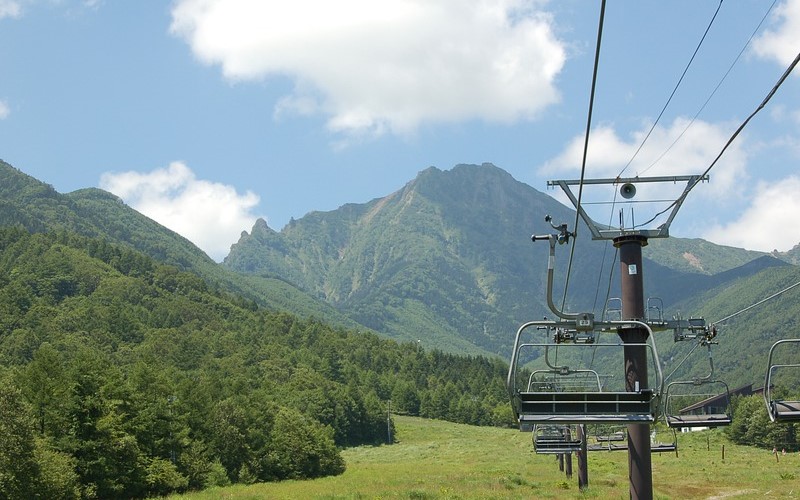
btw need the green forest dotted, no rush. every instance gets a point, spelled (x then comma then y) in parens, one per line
(133, 366)
(123, 377)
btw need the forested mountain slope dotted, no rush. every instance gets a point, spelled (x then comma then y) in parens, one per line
(132, 364)
(740, 357)
(448, 260)
(124, 377)
(37, 207)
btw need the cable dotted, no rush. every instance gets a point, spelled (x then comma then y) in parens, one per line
(585, 148)
(726, 318)
(600, 277)
(685, 70)
(761, 106)
(713, 92)
(602, 267)
(682, 361)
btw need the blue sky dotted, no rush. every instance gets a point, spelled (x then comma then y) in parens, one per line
(206, 114)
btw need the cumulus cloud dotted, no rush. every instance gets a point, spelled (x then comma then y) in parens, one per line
(209, 214)
(764, 214)
(14, 8)
(782, 42)
(678, 149)
(389, 66)
(10, 8)
(4, 110)
(769, 223)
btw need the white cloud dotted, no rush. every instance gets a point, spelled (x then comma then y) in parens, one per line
(10, 8)
(14, 8)
(209, 214)
(4, 110)
(769, 223)
(676, 150)
(730, 210)
(384, 66)
(781, 44)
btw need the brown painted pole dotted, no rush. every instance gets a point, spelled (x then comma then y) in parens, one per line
(568, 465)
(632, 285)
(568, 456)
(583, 466)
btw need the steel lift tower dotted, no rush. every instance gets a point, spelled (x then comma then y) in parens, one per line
(630, 241)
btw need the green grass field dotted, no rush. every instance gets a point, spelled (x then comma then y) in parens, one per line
(442, 460)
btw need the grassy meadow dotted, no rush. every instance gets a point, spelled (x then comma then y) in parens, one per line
(441, 460)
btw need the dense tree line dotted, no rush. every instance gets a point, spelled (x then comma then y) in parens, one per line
(124, 377)
(751, 425)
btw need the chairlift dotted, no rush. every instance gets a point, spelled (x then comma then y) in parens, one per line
(662, 447)
(780, 410)
(554, 405)
(700, 402)
(564, 380)
(613, 308)
(618, 441)
(556, 439)
(615, 436)
(606, 439)
(655, 310)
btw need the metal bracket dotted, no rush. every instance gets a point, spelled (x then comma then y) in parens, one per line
(606, 233)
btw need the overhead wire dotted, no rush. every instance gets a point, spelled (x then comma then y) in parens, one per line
(726, 318)
(663, 109)
(608, 287)
(585, 148)
(730, 316)
(733, 137)
(674, 90)
(583, 165)
(682, 361)
(713, 92)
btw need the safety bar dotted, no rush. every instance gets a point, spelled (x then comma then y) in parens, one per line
(780, 410)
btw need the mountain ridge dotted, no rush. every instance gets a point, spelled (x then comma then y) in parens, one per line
(463, 232)
(444, 262)
(92, 212)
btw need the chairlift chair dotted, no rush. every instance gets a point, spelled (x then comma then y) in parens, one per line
(555, 406)
(780, 410)
(606, 440)
(700, 397)
(556, 439)
(657, 305)
(613, 437)
(661, 447)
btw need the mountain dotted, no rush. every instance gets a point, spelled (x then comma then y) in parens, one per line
(122, 377)
(132, 365)
(448, 261)
(792, 256)
(35, 206)
(445, 262)
(762, 308)
(131, 368)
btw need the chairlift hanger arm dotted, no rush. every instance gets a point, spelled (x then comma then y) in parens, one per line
(585, 320)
